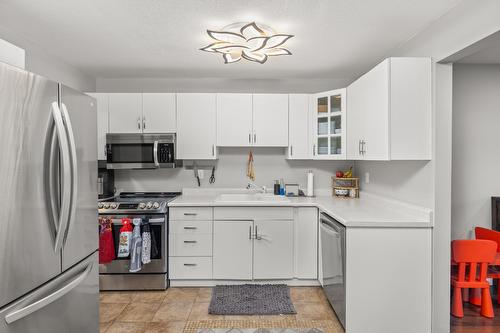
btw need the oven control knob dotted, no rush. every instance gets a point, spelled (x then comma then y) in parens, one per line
(106, 205)
(142, 205)
(114, 205)
(156, 205)
(100, 205)
(149, 205)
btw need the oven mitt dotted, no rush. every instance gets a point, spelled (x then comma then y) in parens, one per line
(146, 244)
(125, 236)
(136, 248)
(106, 242)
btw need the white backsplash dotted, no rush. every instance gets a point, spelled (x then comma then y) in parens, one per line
(269, 163)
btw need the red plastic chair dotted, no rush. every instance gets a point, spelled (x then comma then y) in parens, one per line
(469, 254)
(492, 235)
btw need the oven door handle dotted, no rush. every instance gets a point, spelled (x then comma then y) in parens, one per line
(118, 221)
(155, 154)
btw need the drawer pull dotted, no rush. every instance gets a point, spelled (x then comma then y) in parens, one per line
(190, 265)
(190, 214)
(190, 228)
(190, 241)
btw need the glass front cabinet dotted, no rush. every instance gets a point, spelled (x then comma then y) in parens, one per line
(329, 124)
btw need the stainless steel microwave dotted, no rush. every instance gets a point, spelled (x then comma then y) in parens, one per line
(140, 151)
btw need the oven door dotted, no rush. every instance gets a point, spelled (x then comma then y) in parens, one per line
(158, 262)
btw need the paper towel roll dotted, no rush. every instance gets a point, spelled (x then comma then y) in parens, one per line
(310, 184)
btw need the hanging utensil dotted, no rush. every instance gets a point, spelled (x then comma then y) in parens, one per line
(212, 177)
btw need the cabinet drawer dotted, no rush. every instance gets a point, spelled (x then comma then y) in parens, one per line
(190, 213)
(253, 213)
(190, 227)
(190, 268)
(183, 245)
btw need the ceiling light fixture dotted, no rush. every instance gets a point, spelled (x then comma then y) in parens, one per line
(250, 41)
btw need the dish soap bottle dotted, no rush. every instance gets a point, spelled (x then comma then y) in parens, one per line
(282, 187)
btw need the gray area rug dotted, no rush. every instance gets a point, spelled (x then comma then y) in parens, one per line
(260, 330)
(251, 299)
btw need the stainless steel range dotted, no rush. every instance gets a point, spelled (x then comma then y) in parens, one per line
(152, 208)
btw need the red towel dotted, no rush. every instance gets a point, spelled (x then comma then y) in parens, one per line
(106, 242)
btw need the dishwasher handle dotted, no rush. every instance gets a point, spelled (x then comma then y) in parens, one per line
(331, 224)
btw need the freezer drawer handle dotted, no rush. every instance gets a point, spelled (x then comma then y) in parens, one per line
(190, 241)
(27, 310)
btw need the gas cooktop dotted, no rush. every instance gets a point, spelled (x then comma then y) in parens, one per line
(137, 203)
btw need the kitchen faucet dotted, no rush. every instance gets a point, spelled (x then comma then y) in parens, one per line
(262, 189)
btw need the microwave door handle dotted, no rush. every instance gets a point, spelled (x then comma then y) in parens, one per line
(74, 165)
(65, 177)
(155, 154)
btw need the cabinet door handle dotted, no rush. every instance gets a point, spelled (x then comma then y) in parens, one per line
(250, 232)
(144, 123)
(256, 235)
(190, 214)
(254, 138)
(291, 150)
(138, 123)
(190, 241)
(213, 150)
(359, 147)
(363, 150)
(190, 228)
(249, 137)
(314, 150)
(105, 150)
(190, 265)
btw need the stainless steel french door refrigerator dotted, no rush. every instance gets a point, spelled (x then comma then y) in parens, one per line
(48, 195)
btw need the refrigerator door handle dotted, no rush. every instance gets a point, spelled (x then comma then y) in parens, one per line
(66, 177)
(35, 306)
(74, 163)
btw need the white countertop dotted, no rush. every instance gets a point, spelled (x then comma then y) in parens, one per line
(367, 211)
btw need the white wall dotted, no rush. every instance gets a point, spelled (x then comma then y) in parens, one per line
(269, 163)
(189, 85)
(476, 153)
(409, 181)
(40, 61)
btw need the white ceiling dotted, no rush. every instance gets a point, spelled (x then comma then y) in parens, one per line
(488, 55)
(161, 38)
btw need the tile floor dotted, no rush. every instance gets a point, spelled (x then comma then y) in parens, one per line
(169, 311)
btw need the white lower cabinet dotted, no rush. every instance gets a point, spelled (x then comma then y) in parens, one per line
(190, 243)
(190, 268)
(232, 250)
(306, 243)
(273, 250)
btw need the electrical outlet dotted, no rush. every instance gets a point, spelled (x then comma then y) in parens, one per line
(201, 174)
(367, 178)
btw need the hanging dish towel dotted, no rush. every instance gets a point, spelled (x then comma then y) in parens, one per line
(146, 244)
(106, 242)
(250, 169)
(125, 235)
(136, 248)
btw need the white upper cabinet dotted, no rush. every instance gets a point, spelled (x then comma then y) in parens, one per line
(196, 126)
(125, 113)
(102, 122)
(329, 124)
(270, 120)
(389, 115)
(299, 134)
(158, 113)
(245, 120)
(234, 120)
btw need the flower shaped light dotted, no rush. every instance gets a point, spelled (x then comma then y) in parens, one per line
(248, 41)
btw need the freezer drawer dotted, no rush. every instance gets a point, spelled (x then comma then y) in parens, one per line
(69, 303)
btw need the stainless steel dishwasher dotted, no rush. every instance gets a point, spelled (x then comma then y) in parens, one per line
(333, 263)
